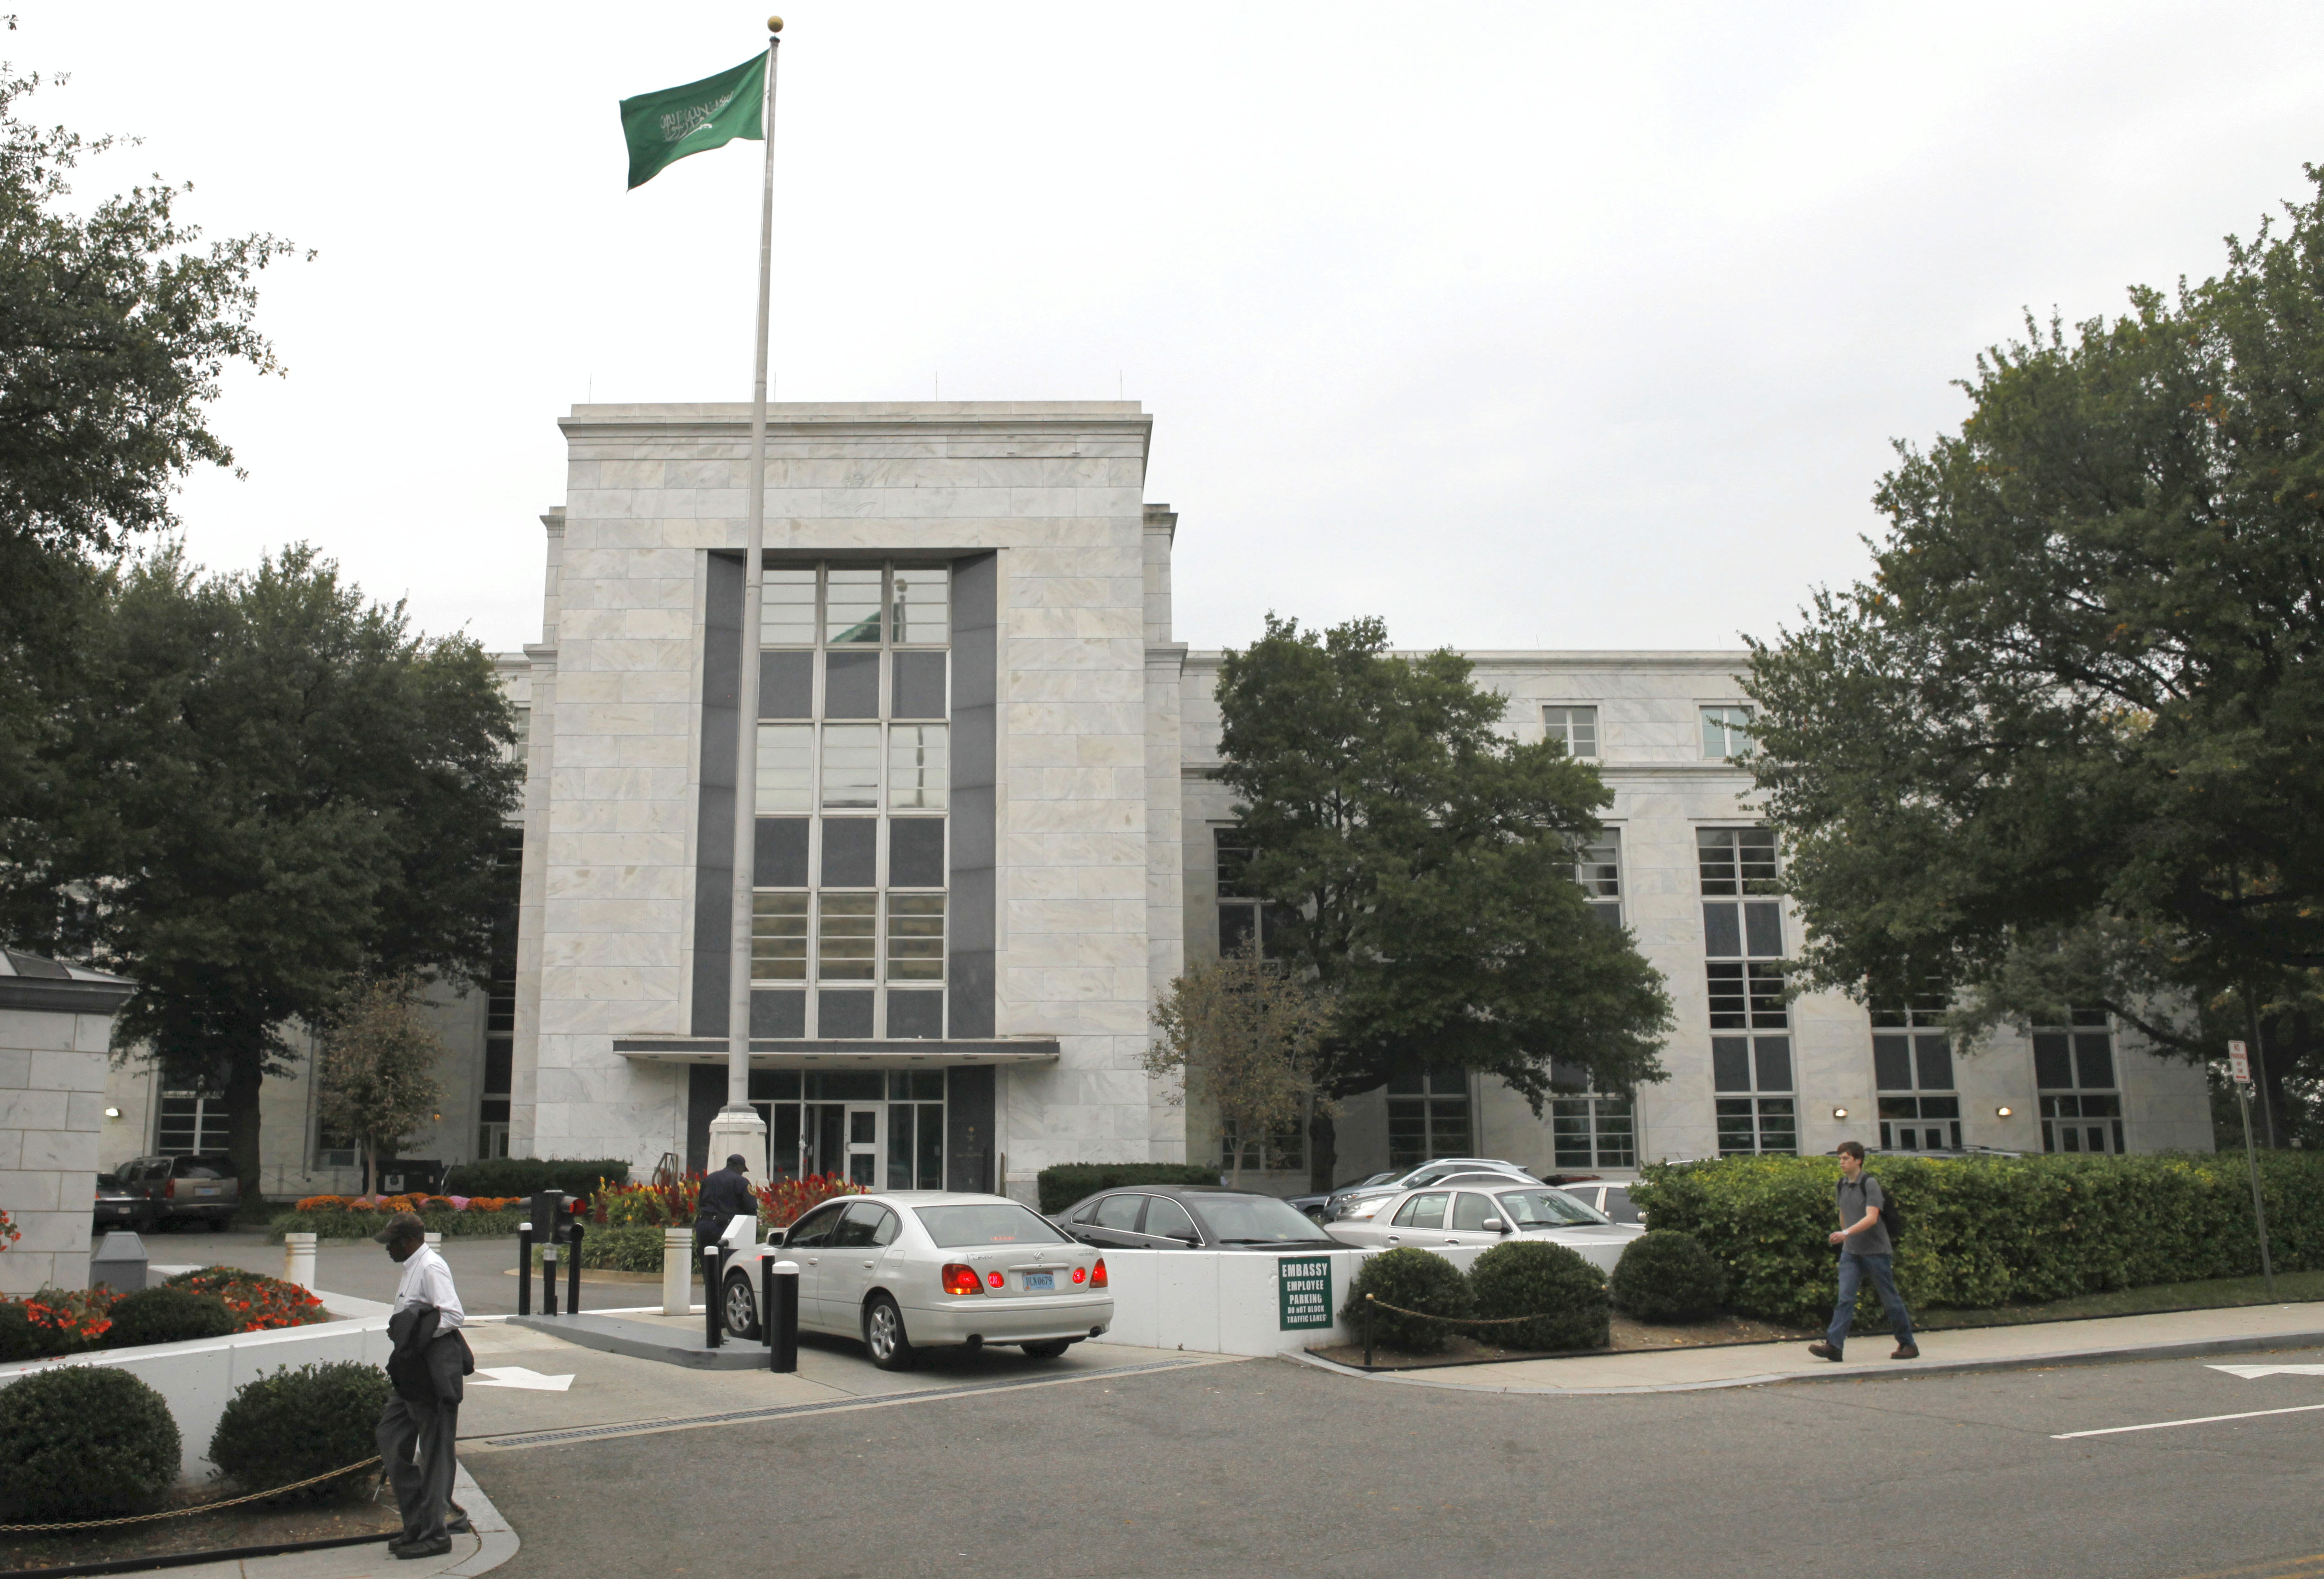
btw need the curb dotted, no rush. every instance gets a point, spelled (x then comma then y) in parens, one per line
(496, 1542)
(2178, 1349)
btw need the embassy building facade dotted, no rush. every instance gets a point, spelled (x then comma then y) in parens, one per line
(988, 834)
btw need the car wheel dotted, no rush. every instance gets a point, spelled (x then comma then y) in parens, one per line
(883, 1335)
(739, 1311)
(1049, 1350)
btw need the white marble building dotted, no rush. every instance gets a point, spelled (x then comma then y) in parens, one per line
(987, 838)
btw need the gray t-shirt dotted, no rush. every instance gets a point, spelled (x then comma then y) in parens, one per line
(1855, 1198)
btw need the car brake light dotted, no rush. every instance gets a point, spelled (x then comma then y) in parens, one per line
(960, 1279)
(995, 1278)
(1097, 1274)
(169, 1190)
(1079, 1275)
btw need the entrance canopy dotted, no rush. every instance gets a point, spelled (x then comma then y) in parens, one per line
(795, 1054)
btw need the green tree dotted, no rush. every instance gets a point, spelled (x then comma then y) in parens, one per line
(115, 329)
(377, 1080)
(1242, 1032)
(1425, 862)
(266, 788)
(2061, 747)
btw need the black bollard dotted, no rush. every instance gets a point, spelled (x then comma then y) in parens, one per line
(572, 1273)
(1368, 1332)
(767, 1305)
(548, 1279)
(714, 1267)
(524, 1269)
(781, 1307)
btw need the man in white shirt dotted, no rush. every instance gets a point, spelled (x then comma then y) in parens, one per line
(418, 1428)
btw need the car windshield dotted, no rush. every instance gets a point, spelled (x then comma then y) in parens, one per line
(1256, 1220)
(1547, 1209)
(999, 1223)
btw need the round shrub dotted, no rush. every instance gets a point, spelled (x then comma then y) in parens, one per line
(284, 1427)
(1563, 1293)
(1414, 1280)
(83, 1441)
(168, 1316)
(1668, 1276)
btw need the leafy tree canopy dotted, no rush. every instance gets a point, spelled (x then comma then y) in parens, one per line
(377, 1081)
(265, 788)
(1425, 862)
(2063, 746)
(1244, 1032)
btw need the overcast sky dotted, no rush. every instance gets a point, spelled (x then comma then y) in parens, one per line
(1534, 325)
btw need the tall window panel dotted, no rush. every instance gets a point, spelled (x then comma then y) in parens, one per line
(2082, 1102)
(191, 1123)
(1913, 1069)
(1600, 874)
(1575, 728)
(1245, 921)
(1726, 733)
(855, 776)
(1592, 1129)
(1754, 1097)
(1428, 1116)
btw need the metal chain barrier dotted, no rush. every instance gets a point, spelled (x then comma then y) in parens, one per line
(1458, 1320)
(187, 1512)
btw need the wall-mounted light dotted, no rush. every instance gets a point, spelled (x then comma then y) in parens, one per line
(113, 1112)
(2001, 1112)
(1839, 1112)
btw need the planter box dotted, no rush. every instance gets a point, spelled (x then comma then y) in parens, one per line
(1230, 1302)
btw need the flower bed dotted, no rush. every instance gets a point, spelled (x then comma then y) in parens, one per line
(360, 1216)
(677, 1202)
(257, 1302)
(59, 1321)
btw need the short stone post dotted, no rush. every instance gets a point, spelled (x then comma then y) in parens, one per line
(299, 1260)
(677, 1270)
(435, 1240)
(119, 1263)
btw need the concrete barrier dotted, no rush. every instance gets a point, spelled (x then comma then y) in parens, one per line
(199, 1379)
(1230, 1302)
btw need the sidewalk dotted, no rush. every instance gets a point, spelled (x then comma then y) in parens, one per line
(493, 1544)
(2063, 1343)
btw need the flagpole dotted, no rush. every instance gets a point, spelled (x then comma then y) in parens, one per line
(738, 1126)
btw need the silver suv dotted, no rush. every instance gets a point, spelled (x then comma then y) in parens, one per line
(1360, 1201)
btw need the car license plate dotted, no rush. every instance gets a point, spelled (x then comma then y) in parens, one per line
(1045, 1282)
(210, 1192)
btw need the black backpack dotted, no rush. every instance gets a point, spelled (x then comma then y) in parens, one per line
(1891, 1212)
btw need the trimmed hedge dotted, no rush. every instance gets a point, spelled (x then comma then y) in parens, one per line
(168, 1316)
(528, 1176)
(1668, 1276)
(1553, 1284)
(621, 1247)
(1067, 1182)
(83, 1441)
(282, 1428)
(329, 1223)
(1988, 1232)
(1416, 1279)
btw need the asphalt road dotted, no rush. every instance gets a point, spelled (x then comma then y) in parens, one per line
(1268, 1467)
(480, 1269)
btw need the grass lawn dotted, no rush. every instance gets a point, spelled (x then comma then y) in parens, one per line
(2211, 1294)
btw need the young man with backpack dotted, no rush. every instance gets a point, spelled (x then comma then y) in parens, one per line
(1866, 1249)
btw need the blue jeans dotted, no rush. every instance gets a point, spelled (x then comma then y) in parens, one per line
(1853, 1269)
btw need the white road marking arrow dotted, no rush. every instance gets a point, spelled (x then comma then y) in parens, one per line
(2253, 1373)
(517, 1376)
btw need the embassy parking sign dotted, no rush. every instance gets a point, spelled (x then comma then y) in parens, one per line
(1303, 1291)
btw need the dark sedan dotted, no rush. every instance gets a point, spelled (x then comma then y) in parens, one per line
(1190, 1217)
(115, 1206)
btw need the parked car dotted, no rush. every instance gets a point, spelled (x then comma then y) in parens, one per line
(1435, 1216)
(1314, 1206)
(115, 1206)
(1608, 1197)
(1190, 1217)
(169, 1192)
(911, 1269)
(1362, 1201)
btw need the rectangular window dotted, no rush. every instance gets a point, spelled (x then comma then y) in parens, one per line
(1575, 728)
(851, 767)
(1919, 1111)
(847, 929)
(787, 615)
(1593, 1132)
(190, 1124)
(1736, 861)
(1726, 733)
(786, 768)
(2073, 1065)
(1600, 874)
(1244, 920)
(1755, 1111)
(852, 606)
(922, 605)
(779, 936)
(1428, 1116)
(919, 769)
(916, 937)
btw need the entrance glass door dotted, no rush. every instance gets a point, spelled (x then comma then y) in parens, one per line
(863, 1149)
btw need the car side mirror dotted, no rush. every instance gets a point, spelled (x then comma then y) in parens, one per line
(1495, 1225)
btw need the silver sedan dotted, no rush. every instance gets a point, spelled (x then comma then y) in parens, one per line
(910, 1270)
(1435, 1216)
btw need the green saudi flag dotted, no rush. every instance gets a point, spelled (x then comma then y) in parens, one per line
(664, 127)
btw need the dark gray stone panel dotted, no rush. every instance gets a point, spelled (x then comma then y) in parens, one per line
(916, 852)
(918, 691)
(849, 851)
(714, 814)
(785, 685)
(850, 685)
(706, 1094)
(915, 1014)
(968, 1127)
(975, 722)
(778, 1013)
(844, 1012)
(782, 852)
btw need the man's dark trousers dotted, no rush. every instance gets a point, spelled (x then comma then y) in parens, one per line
(1853, 1269)
(425, 1430)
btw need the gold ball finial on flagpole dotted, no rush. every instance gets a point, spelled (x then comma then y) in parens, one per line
(774, 24)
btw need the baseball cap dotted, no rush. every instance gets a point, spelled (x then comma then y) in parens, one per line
(402, 1225)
